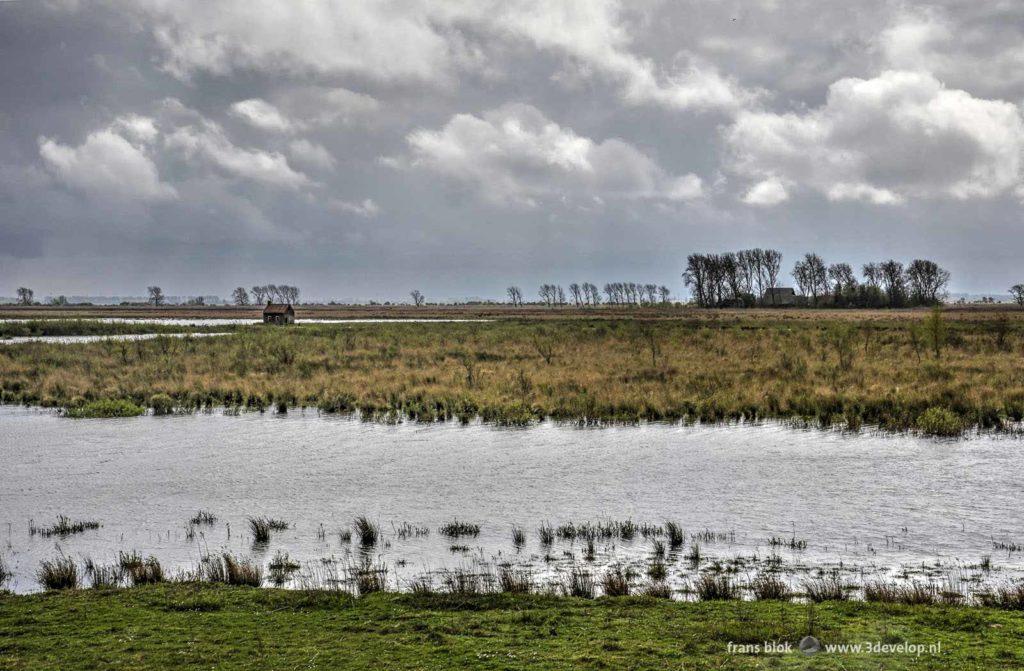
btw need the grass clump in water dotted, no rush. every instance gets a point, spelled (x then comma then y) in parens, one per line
(203, 517)
(59, 573)
(64, 526)
(455, 529)
(367, 532)
(105, 408)
(615, 581)
(716, 588)
(262, 526)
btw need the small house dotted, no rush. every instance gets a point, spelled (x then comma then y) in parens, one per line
(779, 296)
(279, 313)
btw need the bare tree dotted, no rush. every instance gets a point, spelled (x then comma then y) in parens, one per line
(1017, 291)
(664, 293)
(593, 296)
(577, 294)
(417, 297)
(560, 294)
(25, 295)
(548, 294)
(771, 266)
(156, 295)
(651, 291)
(927, 282)
(240, 296)
(515, 295)
(259, 294)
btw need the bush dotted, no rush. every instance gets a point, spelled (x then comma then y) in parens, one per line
(162, 404)
(104, 409)
(940, 422)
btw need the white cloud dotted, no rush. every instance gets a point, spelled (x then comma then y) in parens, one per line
(207, 142)
(311, 154)
(107, 165)
(767, 192)
(514, 154)
(896, 137)
(261, 114)
(422, 40)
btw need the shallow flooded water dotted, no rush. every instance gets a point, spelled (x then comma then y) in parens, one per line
(74, 339)
(865, 504)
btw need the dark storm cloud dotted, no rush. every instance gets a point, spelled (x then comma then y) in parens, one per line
(361, 149)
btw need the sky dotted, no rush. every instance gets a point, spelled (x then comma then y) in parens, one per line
(361, 149)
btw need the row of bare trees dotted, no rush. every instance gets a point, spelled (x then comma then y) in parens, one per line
(732, 278)
(586, 294)
(742, 278)
(264, 293)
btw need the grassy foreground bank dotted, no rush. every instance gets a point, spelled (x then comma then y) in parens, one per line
(847, 371)
(196, 626)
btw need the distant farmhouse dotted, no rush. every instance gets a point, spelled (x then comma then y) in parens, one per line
(279, 313)
(779, 296)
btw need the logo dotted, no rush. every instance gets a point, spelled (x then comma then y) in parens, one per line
(810, 645)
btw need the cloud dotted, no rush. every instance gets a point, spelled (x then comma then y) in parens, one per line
(311, 154)
(767, 192)
(107, 165)
(207, 142)
(261, 114)
(515, 155)
(889, 139)
(366, 208)
(425, 41)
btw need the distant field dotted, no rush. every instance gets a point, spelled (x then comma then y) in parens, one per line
(830, 369)
(501, 311)
(193, 626)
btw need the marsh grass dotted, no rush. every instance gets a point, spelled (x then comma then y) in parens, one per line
(616, 581)
(366, 531)
(676, 536)
(657, 590)
(58, 573)
(105, 408)
(721, 587)
(657, 570)
(280, 568)
(105, 576)
(145, 572)
(203, 517)
(260, 527)
(370, 577)
(464, 581)
(229, 570)
(457, 529)
(914, 593)
(825, 588)
(728, 367)
(518, 536)
(546, 534)
(64, 526)
(515, 580)
(1005, 597)
(769, 587)
(5, 573)
(578, 582)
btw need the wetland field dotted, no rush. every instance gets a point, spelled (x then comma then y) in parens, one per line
(566, 491)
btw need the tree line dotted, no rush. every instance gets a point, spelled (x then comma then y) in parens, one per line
(743, 279)
(265, 293)
(587, 294)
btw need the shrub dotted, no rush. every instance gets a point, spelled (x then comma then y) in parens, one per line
(940, 422)
(162, 404)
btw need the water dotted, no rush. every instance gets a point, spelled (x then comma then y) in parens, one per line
(227, 321)
(871, 503)
(73, 339)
